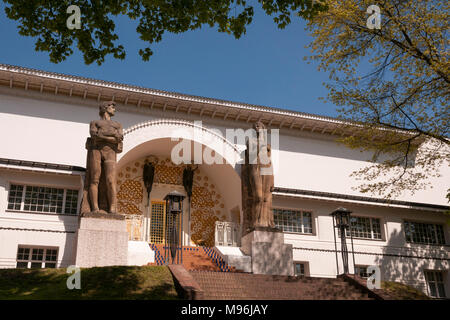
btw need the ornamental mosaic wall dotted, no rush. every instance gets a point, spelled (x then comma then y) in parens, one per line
(207, 205)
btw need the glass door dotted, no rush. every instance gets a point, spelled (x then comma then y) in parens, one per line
(157, 225)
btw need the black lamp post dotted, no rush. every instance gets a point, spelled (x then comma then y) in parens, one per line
(341, 221)
(174, 211)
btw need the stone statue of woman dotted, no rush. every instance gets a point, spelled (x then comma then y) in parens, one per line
(257, 182)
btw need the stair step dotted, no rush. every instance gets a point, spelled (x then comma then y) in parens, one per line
(195, 258)
(244, 286)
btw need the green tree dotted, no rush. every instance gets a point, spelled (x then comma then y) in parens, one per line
(393, 82)
(46, 20)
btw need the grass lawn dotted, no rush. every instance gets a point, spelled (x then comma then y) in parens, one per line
(402, 291)
(121, 282)
(148, 282)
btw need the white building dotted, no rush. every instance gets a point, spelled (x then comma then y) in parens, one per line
(44, 123)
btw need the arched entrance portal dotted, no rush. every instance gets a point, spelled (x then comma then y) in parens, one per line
(216, 192)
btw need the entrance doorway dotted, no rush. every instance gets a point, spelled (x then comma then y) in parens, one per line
(157, 223)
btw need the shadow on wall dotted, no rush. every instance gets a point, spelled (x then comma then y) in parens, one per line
(406, 263)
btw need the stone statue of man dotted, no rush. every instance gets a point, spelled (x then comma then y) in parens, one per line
(103, 145)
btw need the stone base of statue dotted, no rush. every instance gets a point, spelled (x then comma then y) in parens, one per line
(269, 253)
(102, 240)
(139, 253)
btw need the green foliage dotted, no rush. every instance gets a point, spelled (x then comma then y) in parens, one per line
(393, 83)
(46, 20)
(151, 283)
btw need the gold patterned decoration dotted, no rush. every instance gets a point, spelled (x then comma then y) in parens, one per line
(130, 196)
(202, 198)
(166, 172)
(207, 208)
(207, 203)
(131, 191)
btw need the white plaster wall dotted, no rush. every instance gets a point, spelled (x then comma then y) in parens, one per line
(50, 129)
(320, 164)
(404, 269)
(46, 128)
(45, 131)
(64, 226)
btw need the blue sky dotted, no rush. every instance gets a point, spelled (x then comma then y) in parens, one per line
(264, 67)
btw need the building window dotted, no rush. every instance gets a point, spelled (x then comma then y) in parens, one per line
(43, 199)
(300, 269)
(71, 204)
(23, 255)
(365, 228)
(293, 220)
(15, 197)
(361, 271)
(28, 257)
(424, 233)
(435, 282)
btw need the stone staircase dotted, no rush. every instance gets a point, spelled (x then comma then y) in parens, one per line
(218, 281)
(244, 286)
(195, 258)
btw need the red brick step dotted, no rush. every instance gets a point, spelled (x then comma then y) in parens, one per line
(244, 286)
(195, 258)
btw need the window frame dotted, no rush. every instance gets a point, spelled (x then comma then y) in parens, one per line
(435, 233)
(435, 282)
(311, 212)
(30, 261)
(305, 268)
(358, 267)
(381, 223)
(22, 202)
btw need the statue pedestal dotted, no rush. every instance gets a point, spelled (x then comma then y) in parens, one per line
(269, 253)
(102, 240)
(139, 253)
